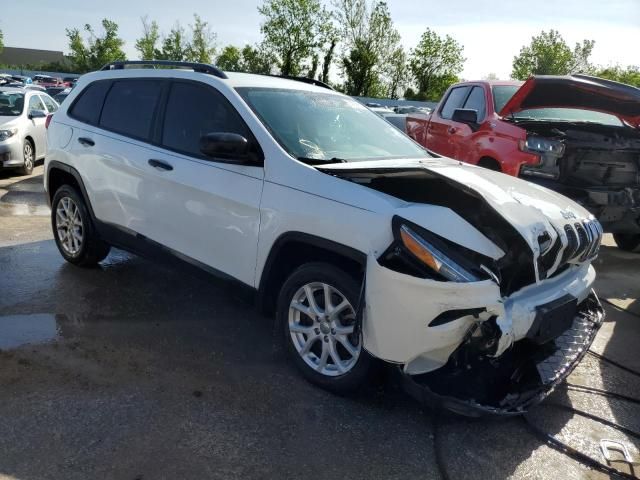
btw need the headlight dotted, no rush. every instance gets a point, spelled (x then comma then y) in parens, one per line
(541, 145)
(433, 257)
(5, 134)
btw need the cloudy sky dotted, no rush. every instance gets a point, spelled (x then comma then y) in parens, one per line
(491, 31)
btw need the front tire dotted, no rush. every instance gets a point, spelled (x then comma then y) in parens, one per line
(628, 241)
(73, 230)
(317, 313)
(28, 157)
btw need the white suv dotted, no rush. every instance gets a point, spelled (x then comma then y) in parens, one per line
(474, 284)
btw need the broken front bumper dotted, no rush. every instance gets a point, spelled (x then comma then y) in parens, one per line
(528, 375)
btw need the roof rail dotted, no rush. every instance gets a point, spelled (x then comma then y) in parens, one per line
(197, 67)
(311, 81)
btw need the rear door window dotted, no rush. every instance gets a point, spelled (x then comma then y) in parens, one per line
(455, 100)
(194, 110)
(130, 107)
(88, 105)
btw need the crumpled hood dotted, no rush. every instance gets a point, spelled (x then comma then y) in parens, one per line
(577, 91)
(531, 209)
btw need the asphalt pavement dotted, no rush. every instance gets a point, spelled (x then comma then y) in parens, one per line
(140, 371)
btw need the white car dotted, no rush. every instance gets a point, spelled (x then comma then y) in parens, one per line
(23, 135)
(475, 285)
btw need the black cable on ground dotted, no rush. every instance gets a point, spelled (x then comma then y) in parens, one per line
(573, 453)
(614, 363)
(598, 391)
(437, 447)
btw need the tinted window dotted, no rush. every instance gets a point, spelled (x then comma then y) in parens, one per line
(477, 102)
(35, 103)
(130, 106)
(87, 107)
(51, 105)
(454, 100)
(501, 94)
(194, 110)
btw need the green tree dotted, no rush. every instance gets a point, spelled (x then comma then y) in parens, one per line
(98, 49)
(258, 60)
(202, 47)
(396, 73)
(249, 59)
(435, 63)
(1, 41)
(292, 30)
(629, 75)
(175, 45)
(549, 54)
(147, 44)
(230, 59)
(327, 59)
(370, 39)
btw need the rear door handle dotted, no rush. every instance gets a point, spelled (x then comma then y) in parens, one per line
(159, 164)
(452, 129)
(87, 142)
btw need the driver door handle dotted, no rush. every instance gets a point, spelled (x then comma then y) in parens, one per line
(452, 130)
(159, 164)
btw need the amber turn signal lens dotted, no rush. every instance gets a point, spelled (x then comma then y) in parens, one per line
(414, 246)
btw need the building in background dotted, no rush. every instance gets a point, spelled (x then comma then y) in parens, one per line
(29, 56)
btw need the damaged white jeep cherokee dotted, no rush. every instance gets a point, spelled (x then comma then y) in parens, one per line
(476, 285)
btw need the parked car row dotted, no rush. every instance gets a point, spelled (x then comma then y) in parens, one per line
(577, 135)
(475, 286)
(24, 114)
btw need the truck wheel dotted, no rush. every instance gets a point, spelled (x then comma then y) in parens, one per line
(317, 312)
(73, 230)
(628, 241)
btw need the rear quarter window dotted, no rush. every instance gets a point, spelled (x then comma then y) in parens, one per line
(88, 105)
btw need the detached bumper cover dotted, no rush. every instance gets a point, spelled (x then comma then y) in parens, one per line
(539, 371)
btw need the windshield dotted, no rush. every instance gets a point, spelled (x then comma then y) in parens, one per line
(502, 94)
(328, 127)
(573, 115)
(11, 104)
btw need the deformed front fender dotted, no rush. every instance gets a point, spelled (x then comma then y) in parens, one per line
(399, 308)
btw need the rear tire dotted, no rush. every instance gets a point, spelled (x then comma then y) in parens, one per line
(324, 342)
(73, 230)
(629, 242)
(29, 157)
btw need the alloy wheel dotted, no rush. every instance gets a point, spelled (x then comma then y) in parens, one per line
(28, 156)
(69, 226)
(322, 325)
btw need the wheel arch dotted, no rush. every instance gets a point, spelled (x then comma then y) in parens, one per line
(489, 162)
(59, 174)
(293, 249)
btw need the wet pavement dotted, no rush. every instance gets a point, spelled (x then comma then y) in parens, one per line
(136, 370)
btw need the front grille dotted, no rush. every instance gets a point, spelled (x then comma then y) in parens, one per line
(572, 244)
(583, 243)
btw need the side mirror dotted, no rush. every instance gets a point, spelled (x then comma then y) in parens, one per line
(465, 115)
(225, 145)
(37, 114)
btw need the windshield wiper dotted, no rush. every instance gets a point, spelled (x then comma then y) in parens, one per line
(321, 161)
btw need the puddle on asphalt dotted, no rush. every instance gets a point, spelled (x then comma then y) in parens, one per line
(21, 209)
(18, 330)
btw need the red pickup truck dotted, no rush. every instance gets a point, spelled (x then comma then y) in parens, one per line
(577, 135)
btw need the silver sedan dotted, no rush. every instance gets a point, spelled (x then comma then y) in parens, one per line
(23, 138)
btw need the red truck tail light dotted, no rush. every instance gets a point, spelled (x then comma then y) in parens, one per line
(48, 120)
